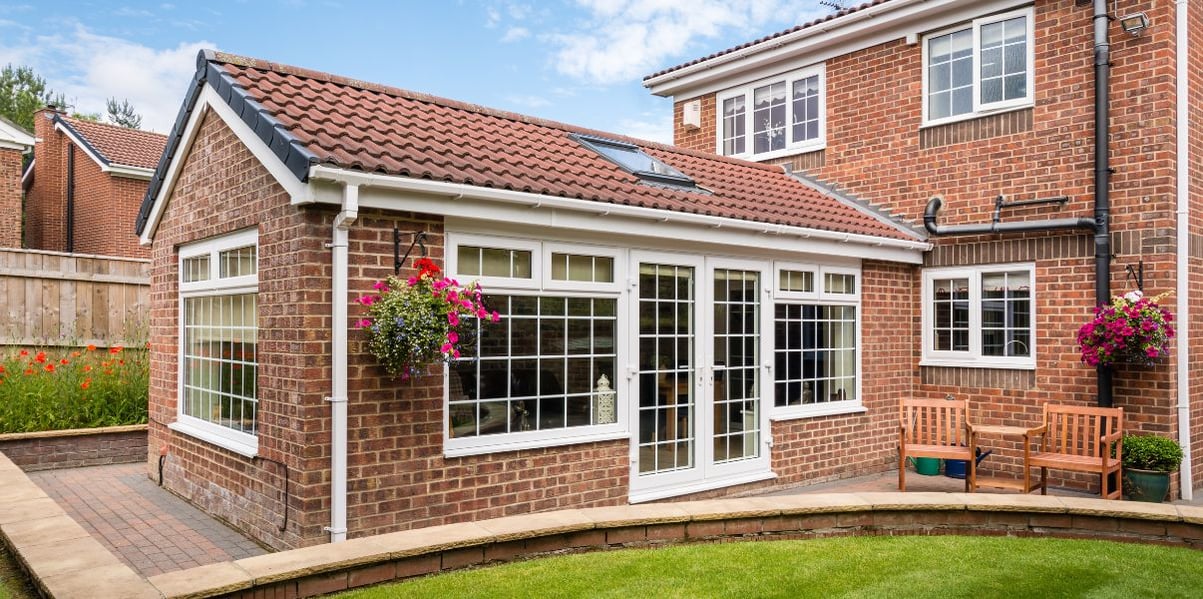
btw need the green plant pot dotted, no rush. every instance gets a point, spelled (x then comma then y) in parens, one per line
(1146, 485)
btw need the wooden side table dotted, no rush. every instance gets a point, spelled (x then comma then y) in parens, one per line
(994, 482)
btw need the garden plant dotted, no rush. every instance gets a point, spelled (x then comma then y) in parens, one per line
(87, 387)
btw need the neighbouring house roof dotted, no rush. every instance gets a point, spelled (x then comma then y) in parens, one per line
(808, 25)
(309, 118)
(12, 136)
(113, 145)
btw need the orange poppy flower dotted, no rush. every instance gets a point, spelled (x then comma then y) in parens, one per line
(24, 353)
(87, 369)
(84, 385)
(41, 357)
(50, 368)
(116, 349)
(75, 354)
(91, 347)
(64, 362)
(28, 371)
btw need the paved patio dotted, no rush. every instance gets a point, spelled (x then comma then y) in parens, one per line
(148, 528)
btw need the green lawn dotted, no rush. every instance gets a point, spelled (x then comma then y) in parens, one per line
(893, 567)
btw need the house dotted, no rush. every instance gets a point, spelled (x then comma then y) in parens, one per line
(980, 119)
(15, 143)
(756, 323)
(86, 184)
(680, 277)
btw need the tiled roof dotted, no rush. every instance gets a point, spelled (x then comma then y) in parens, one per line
(120, 145)
(308, 118)
(819, 21)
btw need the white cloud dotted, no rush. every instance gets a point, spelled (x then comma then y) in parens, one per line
(89, 68)
(626, 39)
(528, 101)
(655, 129)
(514, 34)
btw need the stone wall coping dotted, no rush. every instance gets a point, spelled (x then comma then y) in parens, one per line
(328, 559)
(66, 562)
(73, 432)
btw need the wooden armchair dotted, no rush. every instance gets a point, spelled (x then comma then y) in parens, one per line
(936, 428)
(1080, 439)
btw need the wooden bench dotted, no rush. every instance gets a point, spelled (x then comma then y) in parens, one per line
(936, 428)
(1080, 439)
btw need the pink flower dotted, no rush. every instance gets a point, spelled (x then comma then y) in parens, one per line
(1152, 352)
(363, 323)
(367, 300)
(446, 348)
(455, 352)
(452, 337)
(380, 286)
(453, 318)
(496, 316)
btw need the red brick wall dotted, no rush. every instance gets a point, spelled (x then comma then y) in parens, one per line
(877, 151)
(46, 200)
(10, 198)
(398, 477)
(51, 450)
(106, 207)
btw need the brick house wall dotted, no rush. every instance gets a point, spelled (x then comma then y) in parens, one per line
(105, 206)
(397, 477)
(10, 198)
(876, 150)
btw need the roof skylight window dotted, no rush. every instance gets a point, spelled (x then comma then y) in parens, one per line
(633, 159)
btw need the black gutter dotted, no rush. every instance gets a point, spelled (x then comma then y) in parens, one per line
(1101, 223)
(70, 198)
(1102, 179)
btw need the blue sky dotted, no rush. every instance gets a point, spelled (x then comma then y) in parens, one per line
(576, 61)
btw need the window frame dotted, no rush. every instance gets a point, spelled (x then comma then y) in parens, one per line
(748, 93)
(541, 285)
(244, 444)
(973, 358)
(980, 109)
(820, 297)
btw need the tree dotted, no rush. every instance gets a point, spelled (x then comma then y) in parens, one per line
(123, 114)
(23, 92)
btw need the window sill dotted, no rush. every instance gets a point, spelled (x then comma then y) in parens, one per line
(457, 449)
(975, 115)
(797, 413)
(779, 153)
(977, 364)
(205, 433)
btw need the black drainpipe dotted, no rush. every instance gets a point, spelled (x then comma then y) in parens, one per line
(70, 198)
(1102, 178)
(1101, 223)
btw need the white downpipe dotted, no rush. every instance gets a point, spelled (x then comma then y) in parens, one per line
(338, 374)
(1181, 73)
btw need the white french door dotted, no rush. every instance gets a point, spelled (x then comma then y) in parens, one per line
(700, 340)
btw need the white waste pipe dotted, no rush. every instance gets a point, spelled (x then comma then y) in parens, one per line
(1182, 74)
(338, 358)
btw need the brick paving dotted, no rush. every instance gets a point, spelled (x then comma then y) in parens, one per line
(150, 529)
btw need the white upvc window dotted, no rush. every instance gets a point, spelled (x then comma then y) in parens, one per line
(980, 316)
(218, 369)
(978, 68)
(547, 373)
(816, 348)
(774, 117)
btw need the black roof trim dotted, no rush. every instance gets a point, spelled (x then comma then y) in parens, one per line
(287, 148)
(59, 120)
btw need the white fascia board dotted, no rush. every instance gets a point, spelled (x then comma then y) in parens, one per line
(387, 192)
(859, 30)
(13, 138)
(298, 192)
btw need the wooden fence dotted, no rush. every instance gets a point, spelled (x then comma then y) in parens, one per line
(56, 299)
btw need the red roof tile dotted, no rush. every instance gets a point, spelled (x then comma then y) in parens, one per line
(832, 16)
(121, 145)
(374, 128)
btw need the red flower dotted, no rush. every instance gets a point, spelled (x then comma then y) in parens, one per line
(50, 368)
(64, 362)
(427, 267)
(84, 385)
(91, 347)
(41, 357)
(28, 371)
(24, 353)
(115, 349)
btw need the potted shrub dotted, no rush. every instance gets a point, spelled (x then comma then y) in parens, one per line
(1148, 461)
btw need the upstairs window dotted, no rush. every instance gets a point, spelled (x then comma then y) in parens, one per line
(979, 67)
(773, 117)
